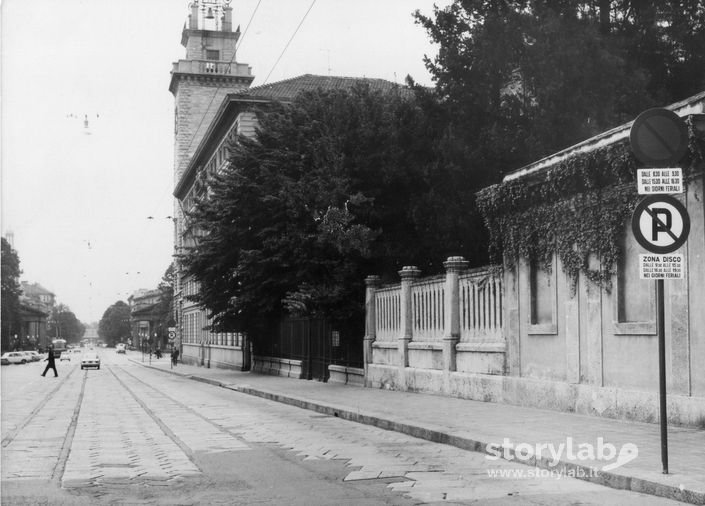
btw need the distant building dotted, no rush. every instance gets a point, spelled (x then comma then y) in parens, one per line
(90, 337)
(146, 319)
(36, 294)
(36, 303)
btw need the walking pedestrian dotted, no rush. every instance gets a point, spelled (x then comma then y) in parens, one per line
(51, 360)
(175, 356)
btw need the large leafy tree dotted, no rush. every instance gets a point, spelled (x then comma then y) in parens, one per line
(11, 291)
(114, 326)
(526, 78)
(334, 186)
(64, 324)
(166, 299)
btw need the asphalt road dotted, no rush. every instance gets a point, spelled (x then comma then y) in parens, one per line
(125, 434)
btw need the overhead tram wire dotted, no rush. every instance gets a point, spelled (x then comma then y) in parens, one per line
(287, 44)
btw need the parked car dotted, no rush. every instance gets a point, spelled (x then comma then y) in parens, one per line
(14, 357)
(120, 348)
(36, 357)
(90, 359)
(28, 355)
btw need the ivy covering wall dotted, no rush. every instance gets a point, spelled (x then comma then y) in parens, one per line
(574, 209)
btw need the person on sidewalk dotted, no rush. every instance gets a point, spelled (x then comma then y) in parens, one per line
(51, 360)
(174, 356)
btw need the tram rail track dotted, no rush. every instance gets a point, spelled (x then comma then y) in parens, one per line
(10, 437)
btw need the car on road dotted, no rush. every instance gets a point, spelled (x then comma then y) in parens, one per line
(120, 348)
(36, 357)
(90, 359)
(28, 355)
(65, 356)
(14, 357)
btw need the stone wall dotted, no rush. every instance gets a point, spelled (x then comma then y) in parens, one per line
(582, 358)
(213, 355)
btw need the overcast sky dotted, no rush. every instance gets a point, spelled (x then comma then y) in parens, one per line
(78, 199)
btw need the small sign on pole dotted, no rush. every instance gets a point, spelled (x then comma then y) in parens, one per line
(661, 266)
(659, 138)
(660, 224)
(660, 180)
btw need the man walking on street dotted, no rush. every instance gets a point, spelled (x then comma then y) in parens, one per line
(52, 363)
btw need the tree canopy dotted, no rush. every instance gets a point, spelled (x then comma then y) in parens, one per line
(114, 326)
(11, 291)
(334, 186)
(341, 184)
(529, 77)
(166, 298)
(64, 324)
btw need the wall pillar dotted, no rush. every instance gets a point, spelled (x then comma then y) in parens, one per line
(451, 319)
(372, 282)
(407, 274)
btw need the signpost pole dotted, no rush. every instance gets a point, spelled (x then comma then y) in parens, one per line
(662, 374)
(659, 140)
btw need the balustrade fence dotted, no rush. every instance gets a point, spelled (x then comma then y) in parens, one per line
(464, 306)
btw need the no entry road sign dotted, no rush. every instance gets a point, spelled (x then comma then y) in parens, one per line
(660, 224)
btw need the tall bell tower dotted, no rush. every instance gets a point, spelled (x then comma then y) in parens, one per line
(199, 84)
(209, 72)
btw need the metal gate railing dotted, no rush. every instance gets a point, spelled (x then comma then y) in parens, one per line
(316, 343)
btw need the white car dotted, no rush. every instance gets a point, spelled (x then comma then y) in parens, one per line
(90, 359)
(36, 357)
(28, 354)
(14, 357)
(66, 355)
(120, 348)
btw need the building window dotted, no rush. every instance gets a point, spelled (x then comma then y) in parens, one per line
(635, 298)
(542, 293)
(212, 54)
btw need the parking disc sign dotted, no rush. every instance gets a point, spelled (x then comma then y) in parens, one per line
(669, 266)
(660, 224)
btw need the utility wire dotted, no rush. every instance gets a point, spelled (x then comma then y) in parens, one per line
(287, 44)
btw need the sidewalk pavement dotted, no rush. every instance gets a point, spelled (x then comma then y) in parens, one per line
(472, 425)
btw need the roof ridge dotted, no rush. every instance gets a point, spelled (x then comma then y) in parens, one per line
(311, 77)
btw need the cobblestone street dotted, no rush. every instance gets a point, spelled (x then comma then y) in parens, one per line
(126, 434)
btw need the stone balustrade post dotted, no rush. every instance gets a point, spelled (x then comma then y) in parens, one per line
(408, 274)
(371, 282)
(454, 266)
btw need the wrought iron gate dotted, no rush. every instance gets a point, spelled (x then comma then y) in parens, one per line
(316, 343)
(308, 340)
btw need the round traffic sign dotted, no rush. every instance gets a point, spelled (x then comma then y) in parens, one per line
(659, 137)
(660, 224)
